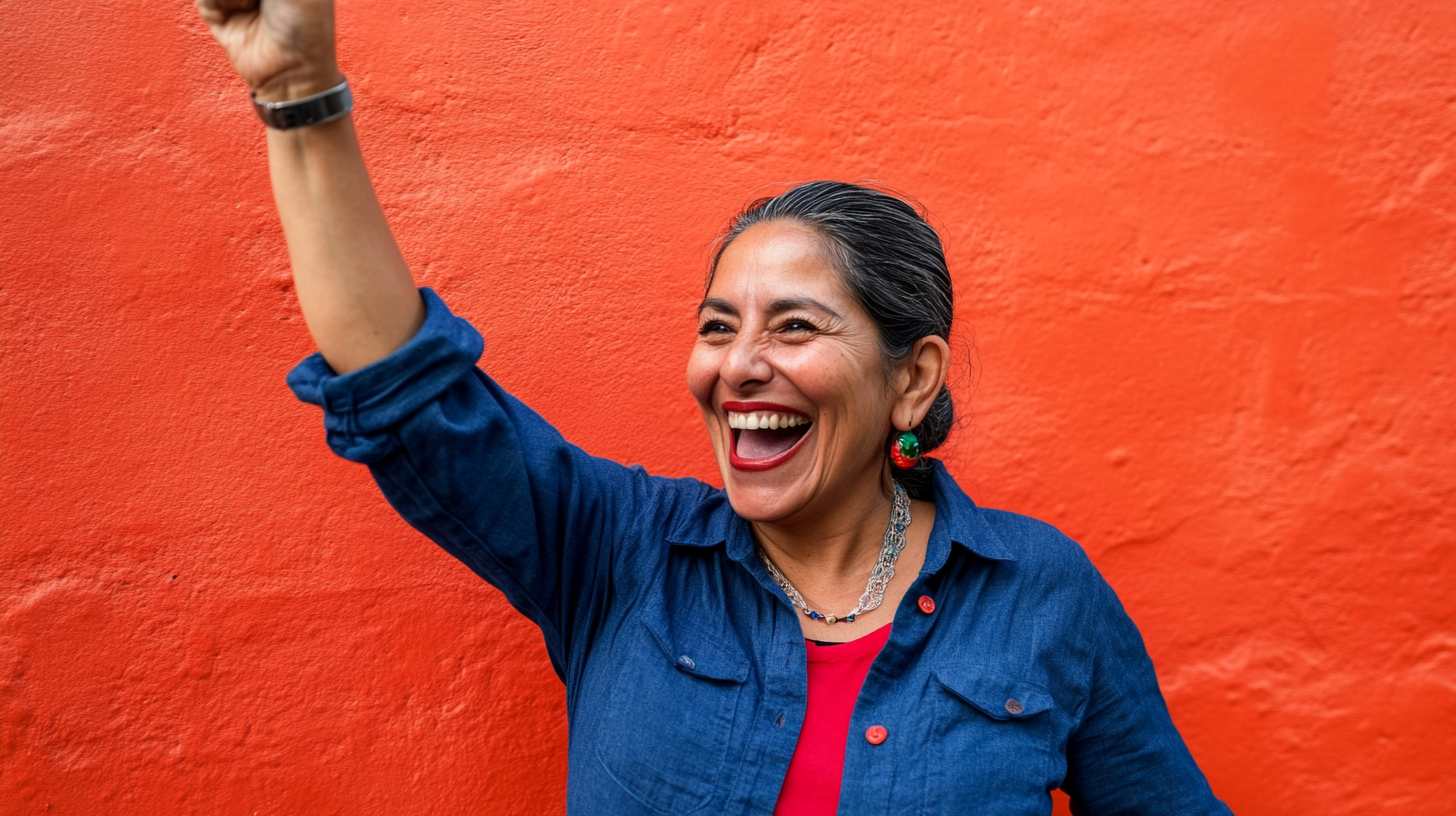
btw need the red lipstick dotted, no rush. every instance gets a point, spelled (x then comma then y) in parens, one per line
(750, 407)
(768, 462)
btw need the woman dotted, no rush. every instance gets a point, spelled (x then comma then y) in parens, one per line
(839, 629)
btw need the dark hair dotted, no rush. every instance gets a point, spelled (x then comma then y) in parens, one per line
(893, 264)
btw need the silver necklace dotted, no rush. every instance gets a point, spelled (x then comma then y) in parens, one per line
(880, 576)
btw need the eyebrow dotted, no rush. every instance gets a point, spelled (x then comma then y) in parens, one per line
(777, 307)
(719, 304)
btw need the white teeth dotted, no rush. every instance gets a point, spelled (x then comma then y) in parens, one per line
(765, 421)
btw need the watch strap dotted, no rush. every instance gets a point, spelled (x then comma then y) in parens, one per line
(310, 110)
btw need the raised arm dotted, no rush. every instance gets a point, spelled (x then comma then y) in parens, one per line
(563, 534)
(356, 292)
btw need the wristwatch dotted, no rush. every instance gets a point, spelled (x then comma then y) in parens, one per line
(310, 110)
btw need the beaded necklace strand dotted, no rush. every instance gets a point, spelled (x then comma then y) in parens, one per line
(880, 576)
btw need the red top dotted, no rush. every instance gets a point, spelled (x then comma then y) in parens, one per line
(836, 674)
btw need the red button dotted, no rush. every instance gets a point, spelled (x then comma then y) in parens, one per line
(927, 604)
(876, 734)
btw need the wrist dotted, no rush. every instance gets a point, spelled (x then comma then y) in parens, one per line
(315, 109)
(297, 84)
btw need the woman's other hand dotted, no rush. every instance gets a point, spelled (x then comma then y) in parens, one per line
(283, 49)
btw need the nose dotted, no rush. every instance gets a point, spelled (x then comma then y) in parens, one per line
(744, 365)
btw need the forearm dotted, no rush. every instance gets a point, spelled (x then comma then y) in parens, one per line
(353, 285)
(357, 295)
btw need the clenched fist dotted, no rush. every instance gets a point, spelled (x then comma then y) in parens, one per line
(283, 49)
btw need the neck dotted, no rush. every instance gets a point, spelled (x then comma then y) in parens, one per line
(822, 552)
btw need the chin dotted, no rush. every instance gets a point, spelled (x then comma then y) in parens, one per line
(761, 502)
(771, 495)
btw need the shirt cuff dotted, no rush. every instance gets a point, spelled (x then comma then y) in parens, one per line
(361, 407)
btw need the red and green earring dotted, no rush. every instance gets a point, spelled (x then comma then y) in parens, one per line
(905, 450)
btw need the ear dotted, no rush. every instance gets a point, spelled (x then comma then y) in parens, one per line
(921, 376)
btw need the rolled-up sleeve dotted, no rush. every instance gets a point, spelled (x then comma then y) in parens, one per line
(556, 530)
(362, 408)
(1126, 756)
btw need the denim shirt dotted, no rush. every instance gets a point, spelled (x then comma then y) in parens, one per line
(684, 664)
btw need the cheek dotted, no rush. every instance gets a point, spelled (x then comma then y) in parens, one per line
(853, 399)
(702, 374)
(837, 380)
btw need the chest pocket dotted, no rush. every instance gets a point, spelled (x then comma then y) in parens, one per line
(668, 723)
(991, 740)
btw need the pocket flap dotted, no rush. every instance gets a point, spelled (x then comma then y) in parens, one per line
(996, 695)
(715, 657)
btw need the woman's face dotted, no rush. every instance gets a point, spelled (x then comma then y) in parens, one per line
(788, 372)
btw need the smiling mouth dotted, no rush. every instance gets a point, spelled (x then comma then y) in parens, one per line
(764, 438)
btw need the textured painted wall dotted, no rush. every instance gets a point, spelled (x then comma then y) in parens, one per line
(1204, 254)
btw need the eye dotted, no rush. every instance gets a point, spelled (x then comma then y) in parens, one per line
(796, 326)
(711, 327)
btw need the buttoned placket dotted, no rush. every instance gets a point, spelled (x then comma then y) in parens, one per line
(872, 767)
(871, 773)
(869, 768)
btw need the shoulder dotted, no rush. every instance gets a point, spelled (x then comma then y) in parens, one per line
(1020, 547)
(1037, 545)
(685, 496)
(1031, 560)
(1053, 574)
(681, 510)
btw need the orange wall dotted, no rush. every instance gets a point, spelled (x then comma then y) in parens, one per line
(1204, 252)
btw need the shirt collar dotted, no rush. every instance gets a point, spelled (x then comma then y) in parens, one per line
(957, 521)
